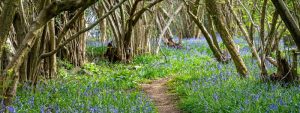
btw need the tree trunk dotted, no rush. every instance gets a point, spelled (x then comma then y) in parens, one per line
(20, 27)
(6, 20)
(285, 72)
(245, 33)
(272, 35)
(166, 27)
(103, 24)
(53, 9)
(264, 71)
(52, 60)
(208, 37)
(212, 31)
(215, 11)
(75, 51)
(288, 19)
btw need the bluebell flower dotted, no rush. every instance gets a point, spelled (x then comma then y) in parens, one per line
(246, 101)
(11, 109)
(57, 109)
(42, 110)
(273, 107)
(113, 110)
(2, 105)
(149, 110)
(285, 84)
(219, 66)
(31, 101)
(281, 102)
(256, 97)
(215, 96)
(93, 110)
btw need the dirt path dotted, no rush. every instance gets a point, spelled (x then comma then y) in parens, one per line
(158, 92)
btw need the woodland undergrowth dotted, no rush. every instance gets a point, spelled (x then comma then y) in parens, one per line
(201, 83)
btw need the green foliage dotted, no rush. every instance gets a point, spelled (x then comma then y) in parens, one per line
(93, 52)
(65, 64)
(101, 87)
(105, 90)
(202, 84)
(207, 86)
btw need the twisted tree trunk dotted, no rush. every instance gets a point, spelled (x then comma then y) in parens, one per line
(6, 20)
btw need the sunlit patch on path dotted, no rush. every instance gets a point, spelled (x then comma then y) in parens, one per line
(158, 92)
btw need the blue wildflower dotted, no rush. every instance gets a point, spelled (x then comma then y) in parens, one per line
(113, 109)
(11, 109)
(256, 97)
(2, 104)
(215, 96)
(274, 87)
(92, 110)
(281, 102)
(219, 66)
(31, 101)
(273, 107)
(247, 102)
(42, 110)
(57, 109)
(242, 108)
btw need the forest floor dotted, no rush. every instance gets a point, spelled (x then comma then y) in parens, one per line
(158, 92)
(188, 80)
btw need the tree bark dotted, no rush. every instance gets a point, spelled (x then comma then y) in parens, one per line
(217, 53)
(264, 71)
(103, 24)
(44, 16)
(135, 15)
(6, 20)
(215, 11)
(288, 19)
(52, 61)
(212, 30)
(245, 33)
(272, 35)
(164, 30)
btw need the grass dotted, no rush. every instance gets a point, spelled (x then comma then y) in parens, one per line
(214, 87)
(223, 91)
(96, 87)
(202, 84)
(93, 52)
(85, 93)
